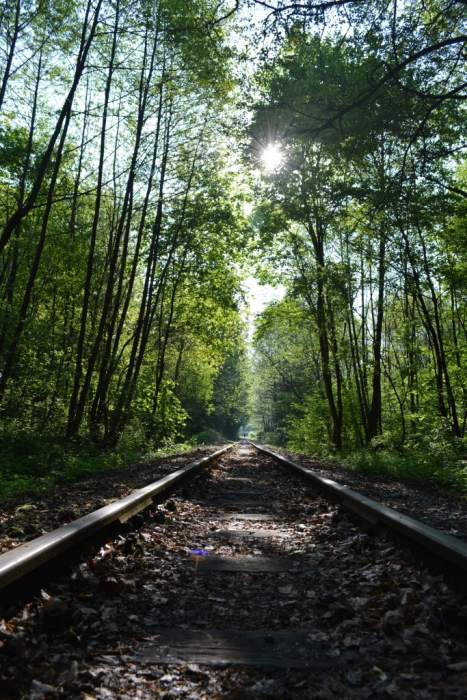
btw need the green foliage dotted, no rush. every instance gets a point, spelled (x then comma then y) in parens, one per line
(438, 463)
(32, 463)
(366, 353)
(308, 430)
(119, 305)
(209, 437)
(230, 400)
(169, 416)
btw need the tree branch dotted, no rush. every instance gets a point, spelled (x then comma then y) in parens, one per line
(364, 97)
(307, 7)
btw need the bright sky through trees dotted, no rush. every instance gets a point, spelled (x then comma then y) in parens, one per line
(272, 157)
(258, 297)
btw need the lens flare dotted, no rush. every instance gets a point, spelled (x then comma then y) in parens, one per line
(272, 157)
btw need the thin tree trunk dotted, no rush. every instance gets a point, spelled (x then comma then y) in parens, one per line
(11, 53)
(374, 414)
(15, 219)
(72, 426)
(11, 355)
(15, 252)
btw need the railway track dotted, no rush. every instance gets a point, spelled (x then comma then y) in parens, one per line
(30, 557)
(246, 572)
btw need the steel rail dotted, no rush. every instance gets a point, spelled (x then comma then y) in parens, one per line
(22, 560)
(447, 549)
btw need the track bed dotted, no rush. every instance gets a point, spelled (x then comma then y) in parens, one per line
(287, 597)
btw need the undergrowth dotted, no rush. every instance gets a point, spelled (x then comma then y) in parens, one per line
(31, 463)
(448, 471)
(439, 462)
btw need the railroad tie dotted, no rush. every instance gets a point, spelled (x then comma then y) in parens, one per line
(267, 648)
(213, 571)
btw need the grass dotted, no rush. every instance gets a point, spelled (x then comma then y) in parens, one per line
(434, 460)
(448, 471)
(32, 464)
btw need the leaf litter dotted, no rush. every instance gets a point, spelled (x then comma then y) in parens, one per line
(390, 627)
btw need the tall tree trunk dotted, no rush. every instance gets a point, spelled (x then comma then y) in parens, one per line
(11, 355)
(15, 248)
(321, 319)
(22, 211)
(11, 52)
(72, 408)
(374, 414)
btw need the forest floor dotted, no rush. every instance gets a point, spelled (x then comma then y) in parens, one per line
(29, 515)
(379, 624)
(37, 464)
(424, 501)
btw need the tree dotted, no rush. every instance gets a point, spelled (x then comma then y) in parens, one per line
(351, 211)
(107, 237)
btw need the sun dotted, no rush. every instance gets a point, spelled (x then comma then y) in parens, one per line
(272, 157)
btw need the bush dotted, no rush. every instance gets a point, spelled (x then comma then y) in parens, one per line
(309, 431)
(437, 463)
